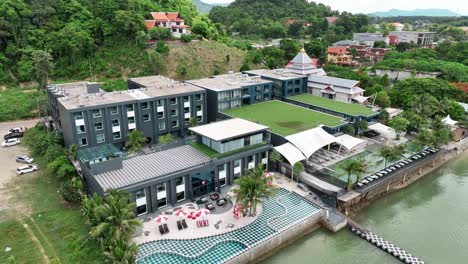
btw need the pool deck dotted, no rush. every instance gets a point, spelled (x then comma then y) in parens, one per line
(193, 231)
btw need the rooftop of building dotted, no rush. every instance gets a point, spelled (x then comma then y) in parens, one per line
(411, 32)
(152, 87)
(228, 129)
(71, 89)
(230, 81)
(333, 81)
(284, 118)
(338, 49)
(150, 166)
(279, 74)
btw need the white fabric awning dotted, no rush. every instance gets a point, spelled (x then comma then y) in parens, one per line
(360, 99)
(309, 141)
(290, 152)
(449, 121)
(384, 130)
(349, 142)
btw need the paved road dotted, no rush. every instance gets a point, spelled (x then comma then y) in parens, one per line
(8, 164)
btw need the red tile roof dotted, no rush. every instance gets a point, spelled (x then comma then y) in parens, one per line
(337, 50)
(393, 40)
(166, 16)
(331, 20)
(150, 24)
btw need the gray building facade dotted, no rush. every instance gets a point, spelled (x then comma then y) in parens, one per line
(95, 118)
(284, 83)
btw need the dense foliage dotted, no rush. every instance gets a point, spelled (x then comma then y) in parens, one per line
(35, 36)
(428, 60)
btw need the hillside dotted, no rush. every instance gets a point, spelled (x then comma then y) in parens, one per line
(205, 8)
(416, 12)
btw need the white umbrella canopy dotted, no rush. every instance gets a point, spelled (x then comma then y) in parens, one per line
(161, 219)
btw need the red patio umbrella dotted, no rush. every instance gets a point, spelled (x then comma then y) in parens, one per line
(161, 219)
(180, 212)
(203, 212)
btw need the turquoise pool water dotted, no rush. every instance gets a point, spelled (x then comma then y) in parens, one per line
(280, 212)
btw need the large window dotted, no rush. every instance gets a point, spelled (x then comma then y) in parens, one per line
(144, 105)
(131, 120)
(256, 139)
(160, 102)
(223, 96)
(237, 168)
(161, 195)
(162, 125)
(98, 126)
(129, 108)
(180, 189)
(140, 196)
(83, 142)
(236, 94)
(223, 106)
(174, 123)
(173, 101)
(160, 115)
(114, 110)
(222, 174)
(97, 113)
(100, 138)
(146, 118)
(198, 97)
(115, 123)
(116, 135)
(173, 112)
(78, 116)
(80, 129)
(235, 103)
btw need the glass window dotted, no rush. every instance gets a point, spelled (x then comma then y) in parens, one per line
(131, 120)
(173, 101)
(198, 107)
(97, 113)
(186, 98)
(129, 108)
(174, 112)
(160, 102)
(198, 97)
(78, 116)
(162, 125)
(180, 189)
(297, 82)
(116, 135)
(100, 138)
(146, 117)
(174, 123)
(160, 115)
(114, 110)
(81, 129)
(115, 123)
(186, 110)
(98, 126)
(83, 142)
(144, 105)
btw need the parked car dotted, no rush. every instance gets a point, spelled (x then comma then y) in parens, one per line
(24, 159)
(10, 142)
(26, 169)
(14, 134)
(18, 129)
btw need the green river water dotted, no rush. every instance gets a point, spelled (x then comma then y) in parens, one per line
(429, 219)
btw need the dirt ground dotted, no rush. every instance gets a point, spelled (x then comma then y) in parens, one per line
(8, 166)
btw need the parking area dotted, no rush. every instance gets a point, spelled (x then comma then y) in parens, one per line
(8, 155)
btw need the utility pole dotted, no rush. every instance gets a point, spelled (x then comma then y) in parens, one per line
(90, 70)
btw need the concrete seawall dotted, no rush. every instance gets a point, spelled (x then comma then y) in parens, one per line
(283, 239)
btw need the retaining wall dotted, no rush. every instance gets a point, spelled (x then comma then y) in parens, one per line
(272, 245)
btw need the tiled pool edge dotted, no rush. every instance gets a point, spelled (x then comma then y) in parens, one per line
(277, 241)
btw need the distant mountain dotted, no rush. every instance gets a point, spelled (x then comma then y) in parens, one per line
(416, 12)
(205, 8)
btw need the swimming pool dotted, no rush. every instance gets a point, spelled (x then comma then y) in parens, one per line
(281, 211)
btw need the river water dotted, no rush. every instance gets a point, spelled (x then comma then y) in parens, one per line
(428, 219)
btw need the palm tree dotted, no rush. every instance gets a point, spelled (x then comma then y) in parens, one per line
(252, 189)
(361, 126)
(391, 153)
(135, 141)
(122, 251)
(353, 166)
(115, 218)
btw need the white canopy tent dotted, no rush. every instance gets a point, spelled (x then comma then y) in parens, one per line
(291, 153)
(449, 121)
(309, 141)
(360, 99)
(349, 142)
(384, 130)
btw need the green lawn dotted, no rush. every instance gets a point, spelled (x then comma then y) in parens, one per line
(18, 103)
(346, 108)
(283, 118)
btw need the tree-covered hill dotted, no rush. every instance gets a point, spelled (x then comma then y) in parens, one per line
(72, 34)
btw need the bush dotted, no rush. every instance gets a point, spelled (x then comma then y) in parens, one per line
(186, 38)
(349, 129)
(158, 33)
(69, 192)
(162, 48)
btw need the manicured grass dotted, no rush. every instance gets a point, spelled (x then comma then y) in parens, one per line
(15, 237)
(283, 118)
(346, 108)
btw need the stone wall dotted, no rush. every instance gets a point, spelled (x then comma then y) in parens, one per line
(405, 74)
(272, 245)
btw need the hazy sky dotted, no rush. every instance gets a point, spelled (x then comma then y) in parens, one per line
(368, 6)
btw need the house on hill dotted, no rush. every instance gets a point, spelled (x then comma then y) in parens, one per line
(170, 20)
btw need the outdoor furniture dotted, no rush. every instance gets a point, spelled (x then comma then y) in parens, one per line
(166, 229)
(161, 230)
(202, 200)
(221, 202)
(179, 225)
(375, 177)
(210, 206)
(184, 224)
(359, 184)
(214, 196)
(365, 181)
